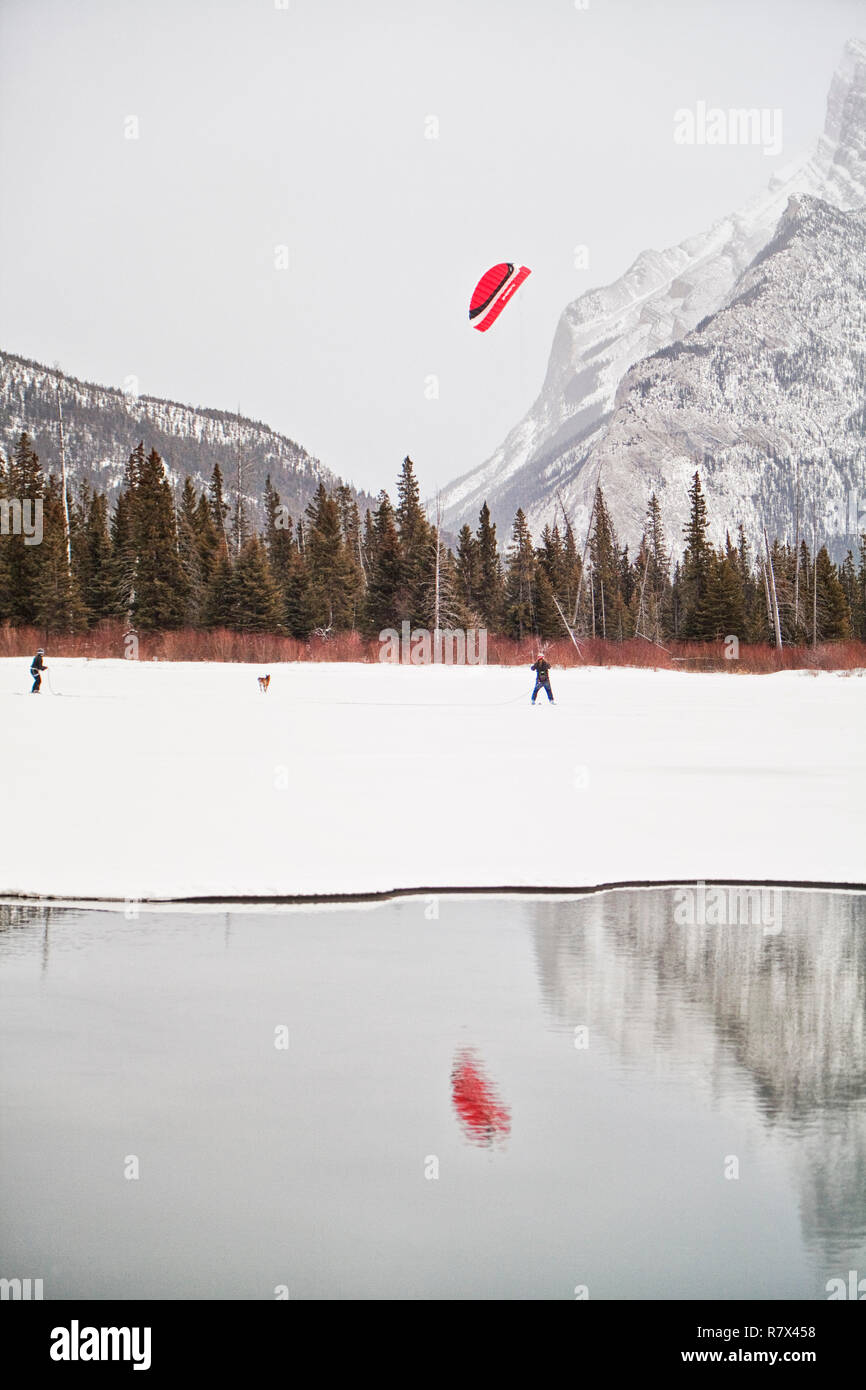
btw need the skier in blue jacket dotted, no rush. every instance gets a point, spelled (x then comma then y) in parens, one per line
(37, 666)
(542, 677)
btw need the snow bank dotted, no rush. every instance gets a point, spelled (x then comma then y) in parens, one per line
(154, 780)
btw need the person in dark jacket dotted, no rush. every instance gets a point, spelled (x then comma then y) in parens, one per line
(542, 677)
(37, 666)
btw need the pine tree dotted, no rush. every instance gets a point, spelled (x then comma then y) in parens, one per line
(653, 609)
(784, 563)
(219, 596)
(520, 582)
(124, 538)
(123, 557)
(626, 581)
(859, 611)
(833, 620)
(350, 522)
(467, 569)
(753, 599)
(610, 610)
(550, 583)
(548, 624)
(297, 609)
(78, 503)
(279, 529)
(855, 598)
(697, 618)
(733, 593)
(240, 529)
(22, 559)
(660, 559)
(58, 603)
(491, 588)
(385, 571)
(208, 543)
(804, 627)
(134, 467)
(551, 559)
(368, 542)
(5, 584)
(219, 507)
(417, 547)
(160, 592)
(190, 554)
(256, 604)
(332, 574)
(92, 557)
(723, 608)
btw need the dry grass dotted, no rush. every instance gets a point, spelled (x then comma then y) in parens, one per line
(219, 644)
(189, 644)
(682, 656)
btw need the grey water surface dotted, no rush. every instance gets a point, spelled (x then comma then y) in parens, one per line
(633, 1094)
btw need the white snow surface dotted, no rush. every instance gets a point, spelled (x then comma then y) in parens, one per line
(160, 780)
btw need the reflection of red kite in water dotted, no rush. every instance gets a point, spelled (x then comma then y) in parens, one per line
(483, 1116)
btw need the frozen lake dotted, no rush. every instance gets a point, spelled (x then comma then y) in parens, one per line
(631, 1092)
(358, 779)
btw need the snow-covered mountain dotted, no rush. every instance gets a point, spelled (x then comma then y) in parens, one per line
(102, 426)
(765, 398)
(660, 299)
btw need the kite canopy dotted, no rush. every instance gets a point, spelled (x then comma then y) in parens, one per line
(493, 292)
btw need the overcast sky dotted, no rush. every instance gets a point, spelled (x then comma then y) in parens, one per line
(307, 127)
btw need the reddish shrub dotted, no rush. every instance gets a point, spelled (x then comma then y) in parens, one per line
(262, 649)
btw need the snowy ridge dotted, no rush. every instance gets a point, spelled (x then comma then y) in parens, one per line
(102, 425)
(774, 380)
(660, 298)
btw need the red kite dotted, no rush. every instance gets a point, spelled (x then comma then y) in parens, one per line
(493, 292)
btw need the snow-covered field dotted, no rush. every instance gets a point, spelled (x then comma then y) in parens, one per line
(161, 780)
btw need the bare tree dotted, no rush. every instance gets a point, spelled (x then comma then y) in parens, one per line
(776, 624)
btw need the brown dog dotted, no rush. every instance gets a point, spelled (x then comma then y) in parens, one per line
(264, 682)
